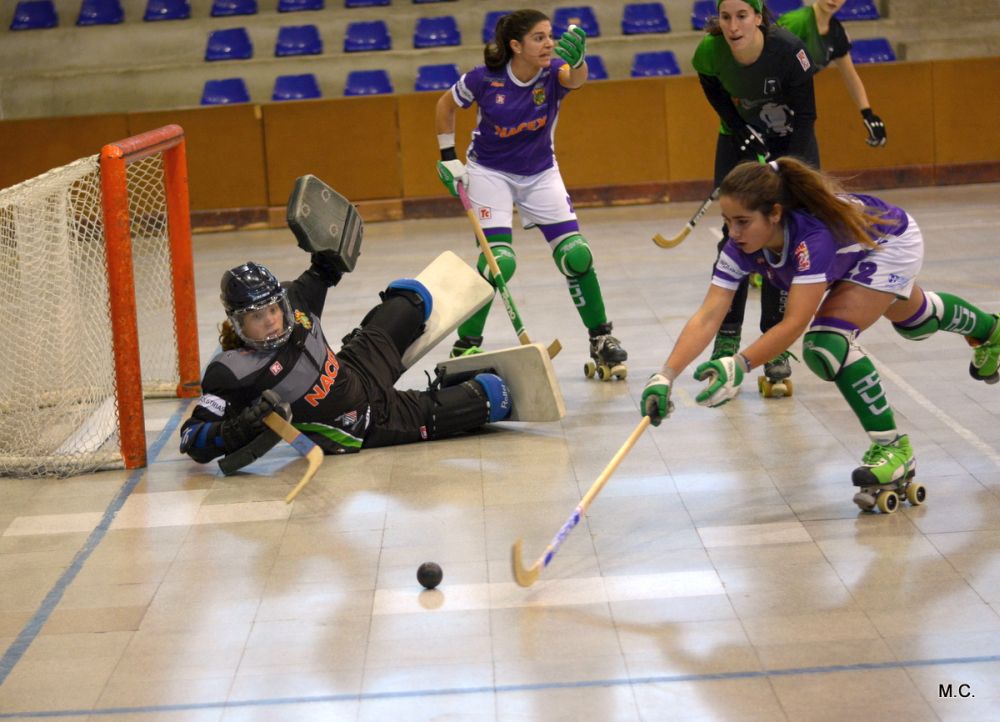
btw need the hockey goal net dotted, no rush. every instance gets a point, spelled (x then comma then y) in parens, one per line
(96, 273)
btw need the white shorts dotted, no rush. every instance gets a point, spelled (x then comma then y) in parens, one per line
(894, 267)
(541, 199)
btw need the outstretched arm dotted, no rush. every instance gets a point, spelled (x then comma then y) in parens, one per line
(803, 300)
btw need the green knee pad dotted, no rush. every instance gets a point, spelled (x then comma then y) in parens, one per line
(825, 353)
(503, 254)
(573, 257)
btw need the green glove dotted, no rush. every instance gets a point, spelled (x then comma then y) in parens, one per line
(656, 403)
(451, 172)
(572, 46)
(725, 376)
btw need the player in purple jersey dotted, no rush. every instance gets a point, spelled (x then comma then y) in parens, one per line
(846, 260)
(511, 160)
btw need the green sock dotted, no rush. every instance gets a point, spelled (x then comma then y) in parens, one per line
(960, 316)
(585, 291)
(859, 383)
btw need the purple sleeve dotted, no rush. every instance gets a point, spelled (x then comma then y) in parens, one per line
(731, 266)
(466, 90)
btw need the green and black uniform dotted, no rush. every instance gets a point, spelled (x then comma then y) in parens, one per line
(823, 49)
(775, 96)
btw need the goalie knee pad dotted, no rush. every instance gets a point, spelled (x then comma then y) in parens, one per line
(827, 349)
(413, 286)
(497, 394)
(573, 257)
(459, 408)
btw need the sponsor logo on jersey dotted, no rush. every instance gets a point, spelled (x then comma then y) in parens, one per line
(213, 403)
(727, 266)
(496, 83)
(423, 433)
(348, 419)
(536, 124)
(303, 320)
(276, 368)
(771, 86)
(538, 94)
(501, 98)
(802, 257)
(803, 59)
(330, 370)
(485, 214)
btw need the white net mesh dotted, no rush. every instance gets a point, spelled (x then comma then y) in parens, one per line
(58, 413)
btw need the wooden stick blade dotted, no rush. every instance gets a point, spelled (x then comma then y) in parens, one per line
(302, 444)
(672, 242)
(523, 577)
(554, 348)
(315, 458)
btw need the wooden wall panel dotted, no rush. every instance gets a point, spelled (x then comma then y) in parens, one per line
(350, 143)
(225, 152)
(692, 128)
(33, 146)
(966, 111)
(418, 151)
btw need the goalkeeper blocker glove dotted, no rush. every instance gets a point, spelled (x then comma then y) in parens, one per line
(750, 144)
(238, 431)
(725, 376)
(572, 46)
(656, 403)
(876, 129)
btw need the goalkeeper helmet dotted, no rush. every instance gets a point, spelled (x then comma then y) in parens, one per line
(254, 300)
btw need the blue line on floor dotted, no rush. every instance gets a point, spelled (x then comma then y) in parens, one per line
(20, 645)
(540, 687)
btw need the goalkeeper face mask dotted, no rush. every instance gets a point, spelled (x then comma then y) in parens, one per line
(264, 326)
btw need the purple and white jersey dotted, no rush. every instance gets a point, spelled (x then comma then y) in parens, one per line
(811, 253)
(516, 122)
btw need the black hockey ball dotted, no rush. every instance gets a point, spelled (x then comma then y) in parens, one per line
(429, 575)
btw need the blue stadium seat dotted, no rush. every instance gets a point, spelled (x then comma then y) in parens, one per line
(490, 23)
(872, 50)
(230, 44)
(100, 12)
(370, 35)
(225, 91)
(224, 8)
(780, 7)
(437, 77)
(368, 82)
(34, 15)
(364, 3)
(645, 18)
(858, 10)
(595, 68)
(701, 11)
(298, 40)
(583, 16)
(430, 1)
(436, 32)
(294, 6)
(649, 65)
(167, 10)
(296, 87)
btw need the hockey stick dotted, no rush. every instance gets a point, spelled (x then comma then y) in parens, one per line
(501, 285)
(302, 444)
(676, 240)
(527, 577)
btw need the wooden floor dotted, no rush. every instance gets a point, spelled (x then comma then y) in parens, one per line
(723, 573)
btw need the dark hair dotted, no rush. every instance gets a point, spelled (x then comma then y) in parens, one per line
(712, 26)
(513, 26)
(795, 185)
(228, 338)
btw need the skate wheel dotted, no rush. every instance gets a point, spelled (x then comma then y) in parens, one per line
(788, 387)
(764, 387)
(865, 501)
(603, 373)
(887, 501)
(589, 368)
(916, 494)
(619, 372)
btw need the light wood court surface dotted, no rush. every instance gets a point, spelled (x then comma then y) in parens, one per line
(722, 574)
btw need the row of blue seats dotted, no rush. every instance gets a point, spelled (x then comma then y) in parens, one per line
(637, 18)
(443, 76)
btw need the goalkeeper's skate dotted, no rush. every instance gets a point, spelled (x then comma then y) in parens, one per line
(466, 346)
(886, 475)
(776, 381)
(607, 357)
(986, 356)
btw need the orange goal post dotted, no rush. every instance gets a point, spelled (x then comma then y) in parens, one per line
(97, 306)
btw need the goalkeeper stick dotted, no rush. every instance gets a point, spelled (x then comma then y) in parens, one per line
(527, 577)
(302, 444)
(676, 240)
(501, 285)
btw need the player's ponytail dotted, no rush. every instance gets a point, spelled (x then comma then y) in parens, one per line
(513, 26)
(228, 338)
(795, 185)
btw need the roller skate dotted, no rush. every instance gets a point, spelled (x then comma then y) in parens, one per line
(466, 346)
(886, 474)
(727, 343)
(776, 381)
(606, 354)
(986, 356)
